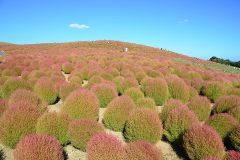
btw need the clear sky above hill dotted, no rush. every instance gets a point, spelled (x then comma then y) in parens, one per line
(199, 28)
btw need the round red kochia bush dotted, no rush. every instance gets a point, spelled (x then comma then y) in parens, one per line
(146, 102)
(38, 147)
(203, 141)
(233, 155)
(13, 84)
(81, 103)
(235, 112)
(67, 67)
(201, 106)
(16, 122)
(213, 90)
(103, 146)
(156, 88)
(26, 96)
(225, 103)
(117, 112)
(143, 124)
(105, 93)
(143, 150)
(66, 89)
(170, 105)
(80, 132)
(54, 124)
(134, 93)
(178, 121)
(235, 138)
(45, 89)
(223, 123)
(178, 89)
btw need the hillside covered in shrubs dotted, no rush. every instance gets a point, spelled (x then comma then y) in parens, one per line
(107, 104)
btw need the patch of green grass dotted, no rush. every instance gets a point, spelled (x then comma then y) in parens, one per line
(216, 66)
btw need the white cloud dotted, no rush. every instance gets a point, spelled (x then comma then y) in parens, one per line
(184, 20)
(79, 26)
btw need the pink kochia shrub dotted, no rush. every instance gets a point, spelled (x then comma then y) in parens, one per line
(201, 106)
(178, 89)
(38, 147)
(66, 89)
(143, 150)
(80, 132)
(146, 102)
(225, 103)
(156, 88)
(81, 103)
(203, 141)
(143, 124)
(105, 93)
(54, 124)
(178, 121)
(235, 138)
(223, 123)
(103, 146)
(45, 90)
(16, 122)
(233, 155)
(117, 112)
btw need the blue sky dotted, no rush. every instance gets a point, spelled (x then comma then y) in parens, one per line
(199, 28)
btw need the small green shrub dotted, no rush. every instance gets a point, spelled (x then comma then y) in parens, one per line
(235, 112)
(143, 124)
(81, 103)
(225, 103)
(67, 67)
(178, 121)
(203, 141)
(13, 84)
(134, 93)
(223, 123)
(156, 88)
(213, 90)
(201, 106)
(143, 150)
(127, 83)
(38, 147)
(235, 138)
(16, 122)
(80, 132)
(118, 81)
(66, 89)
(105, 93)
(54, 124)
(3, 106)
(117, 112)
(146, 102)
(45, 89)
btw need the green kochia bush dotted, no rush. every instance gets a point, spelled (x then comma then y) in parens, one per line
(16, 122)
(178, 121)
(45, 90)
(13, 84)
(81, 103)
(225, 103)
(54, 124)
(235, 112)
(143, 150)
(38, 147)
(134, 93)
(203, 141)
(67, 67)
(156, 88)
(170, 105)
(103, 146)
(66, 89)
(117, 112)
(128, 82)
(105, 93)
(3, 106)
(223, 123)
(235, 138)
(178, 89)
(80, 132)
(143, 124)
(201, 106)
(146, 102)
(213, 90)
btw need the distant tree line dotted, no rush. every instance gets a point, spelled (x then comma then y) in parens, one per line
(225, 61)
